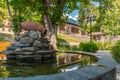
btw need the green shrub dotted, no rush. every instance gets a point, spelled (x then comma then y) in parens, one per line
(115, 51)
(1, 39)
(88, 47)
(104, 45)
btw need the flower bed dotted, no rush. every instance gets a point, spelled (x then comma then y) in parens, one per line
(4, 45)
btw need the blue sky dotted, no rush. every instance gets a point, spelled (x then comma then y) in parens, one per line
(74, 13)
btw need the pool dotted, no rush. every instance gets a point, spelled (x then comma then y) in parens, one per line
(65, 62)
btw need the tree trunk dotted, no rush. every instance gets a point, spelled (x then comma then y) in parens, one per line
(9, 11)
(48, 24)
(50, 31)
(52, 26)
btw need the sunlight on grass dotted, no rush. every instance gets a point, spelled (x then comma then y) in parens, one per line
(66, 38)
(4, 45)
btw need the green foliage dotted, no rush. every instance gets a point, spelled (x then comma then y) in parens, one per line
(3, 12)
(115, 51)
(88, 47)
(106, 16)
(3, 72)
(1, 39)
(111, 21)
(17, 19)
(84, 11)
(104, 45)
(23, 10)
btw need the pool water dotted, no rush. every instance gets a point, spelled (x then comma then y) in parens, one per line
(64, 62)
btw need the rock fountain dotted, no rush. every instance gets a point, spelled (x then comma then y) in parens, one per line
(31, 45)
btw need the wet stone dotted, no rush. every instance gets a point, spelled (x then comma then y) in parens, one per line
(8, 52)
(31, 45)
(39, 34)
(40, 44)
(21, 45)
(37, 43)
(27, 53)
(33, 35)
(26, 40)
(25, 34)
(11, 56)
(11, 48)
(28, 49)
(18, 50)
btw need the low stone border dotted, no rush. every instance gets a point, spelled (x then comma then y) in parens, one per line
(104, 69)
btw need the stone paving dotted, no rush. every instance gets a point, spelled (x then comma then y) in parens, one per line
(106, 53)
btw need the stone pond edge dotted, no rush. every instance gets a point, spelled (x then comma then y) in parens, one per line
(103, 69)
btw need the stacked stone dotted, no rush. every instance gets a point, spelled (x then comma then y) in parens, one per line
(31, 46)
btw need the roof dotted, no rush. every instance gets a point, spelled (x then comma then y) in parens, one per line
(73, 22)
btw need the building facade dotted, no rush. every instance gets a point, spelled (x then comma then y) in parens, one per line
(71, 27)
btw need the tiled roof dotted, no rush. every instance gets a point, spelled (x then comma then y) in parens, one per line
(73, 21)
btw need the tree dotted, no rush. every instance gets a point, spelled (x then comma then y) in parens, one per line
(3, 12)
(111, 24)
(51, 12)
(105, 17)
(83, 12)
(23, 10)
(103, 5)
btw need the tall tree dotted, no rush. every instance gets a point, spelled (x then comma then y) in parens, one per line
(22, 10)
(111, 24)
(51, 12)
(103, 5)
(83, 12)
(3, 12)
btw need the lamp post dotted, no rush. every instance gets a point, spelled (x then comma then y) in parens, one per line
(91, 18)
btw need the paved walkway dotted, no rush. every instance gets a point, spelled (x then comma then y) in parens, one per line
(107, 54)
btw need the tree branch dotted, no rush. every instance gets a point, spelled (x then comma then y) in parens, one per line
(9, 11)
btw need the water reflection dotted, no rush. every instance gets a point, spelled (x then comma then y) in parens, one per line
(67, 59)
(64, 62)
(69, 62)
(18, 68)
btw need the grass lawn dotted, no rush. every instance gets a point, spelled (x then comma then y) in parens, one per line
(66, 38)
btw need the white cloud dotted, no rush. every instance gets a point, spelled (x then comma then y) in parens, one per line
(75, 17)
(69, 16)
(72, 17)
